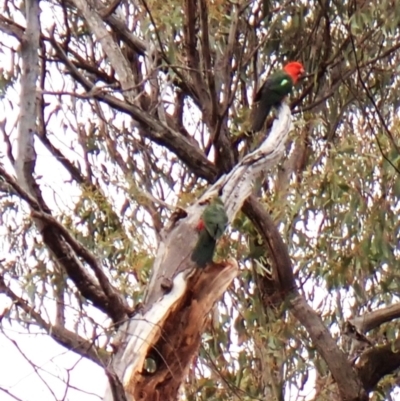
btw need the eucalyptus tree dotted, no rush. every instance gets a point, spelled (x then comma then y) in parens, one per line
(119, 118)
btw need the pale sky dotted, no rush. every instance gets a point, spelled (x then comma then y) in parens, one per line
(20, 378)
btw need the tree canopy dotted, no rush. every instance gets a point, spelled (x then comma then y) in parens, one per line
(118, 115)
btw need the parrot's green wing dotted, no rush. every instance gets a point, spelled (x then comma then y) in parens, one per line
(204, 250)
(215, 218)
(215, 221)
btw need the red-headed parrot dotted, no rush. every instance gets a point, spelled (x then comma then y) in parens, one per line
(211, 226)
(273, 91)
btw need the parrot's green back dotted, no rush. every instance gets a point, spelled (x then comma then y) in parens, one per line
(215, 220)
(272, 92)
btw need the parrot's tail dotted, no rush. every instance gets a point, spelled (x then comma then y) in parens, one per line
(259, 115)
(204, 250)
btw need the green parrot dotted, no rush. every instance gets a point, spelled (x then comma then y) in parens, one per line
(211, 226)
(273, 91)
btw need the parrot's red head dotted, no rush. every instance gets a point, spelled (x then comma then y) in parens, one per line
(294, 69)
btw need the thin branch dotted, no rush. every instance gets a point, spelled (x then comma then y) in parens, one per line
(27, 187)
(140, 47)
(35, 368)
(372, 100)
(91, 259)
(10, 394)
(60, 334)
(11, 28)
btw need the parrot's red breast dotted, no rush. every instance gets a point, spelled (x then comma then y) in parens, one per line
(200, 225)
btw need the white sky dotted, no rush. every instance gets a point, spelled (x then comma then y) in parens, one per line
(17, 376)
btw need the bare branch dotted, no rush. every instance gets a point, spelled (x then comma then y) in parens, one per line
(60, 334)
(349, 384)
(114, 53)
(238, 183)
(193, 58)
(26, 159)
(4, 390)
(11, 28)
(371, 320)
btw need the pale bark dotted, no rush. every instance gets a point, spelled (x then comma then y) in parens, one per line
(26, 158)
